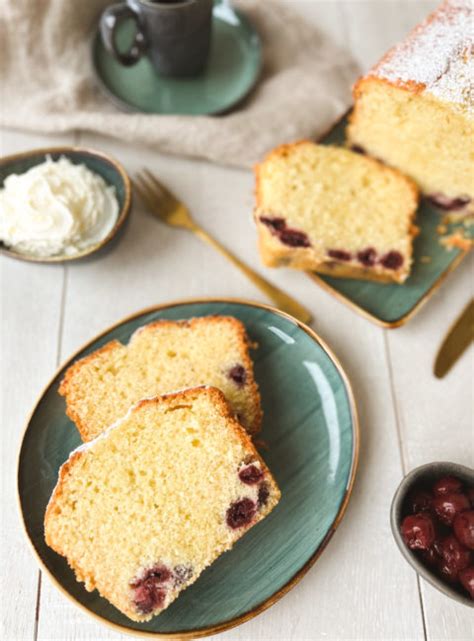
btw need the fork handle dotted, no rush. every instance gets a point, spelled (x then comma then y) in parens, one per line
(283, 301)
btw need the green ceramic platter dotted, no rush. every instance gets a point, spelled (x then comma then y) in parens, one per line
(392, 305)
(311, 430)
(233, 68)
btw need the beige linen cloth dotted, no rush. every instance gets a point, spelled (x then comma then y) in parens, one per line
(47, 83)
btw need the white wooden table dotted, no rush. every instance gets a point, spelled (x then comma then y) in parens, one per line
(360, 588)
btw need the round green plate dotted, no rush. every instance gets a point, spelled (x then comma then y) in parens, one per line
(232, 70)
(310, 427)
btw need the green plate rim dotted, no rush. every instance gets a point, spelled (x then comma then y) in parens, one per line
(404, 318)
(128, 108)
(296, 578)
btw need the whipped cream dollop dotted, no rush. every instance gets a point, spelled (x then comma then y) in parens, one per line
(56, 208)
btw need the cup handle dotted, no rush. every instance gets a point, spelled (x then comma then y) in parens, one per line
(109, 21)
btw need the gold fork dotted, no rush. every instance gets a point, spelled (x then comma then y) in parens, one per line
(170, 210)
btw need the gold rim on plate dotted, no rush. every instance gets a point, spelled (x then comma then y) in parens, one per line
(226, 625)
(122, 216)
(399, 322)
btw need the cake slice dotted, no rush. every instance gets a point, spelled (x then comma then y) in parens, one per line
(415, 108)
(334, 211)
(162, 357)
(143, 509)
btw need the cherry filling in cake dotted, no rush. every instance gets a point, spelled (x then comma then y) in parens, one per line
(263, 494)
(294, 238)
(287, 235)
(339, 254)
(241, 513)
(149, 596)
(251, 475)
(368, 257)
(151, 589)
(392, 260)
(238, 374)
(449, 204)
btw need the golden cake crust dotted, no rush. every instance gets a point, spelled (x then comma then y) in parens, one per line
(274, 253)
(66, 382)
(86, 430)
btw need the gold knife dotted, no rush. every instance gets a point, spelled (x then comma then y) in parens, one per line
(458, 338)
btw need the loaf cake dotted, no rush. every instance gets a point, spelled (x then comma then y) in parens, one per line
(334, 211)
(415, 109)
(162, 357)
(143, 509)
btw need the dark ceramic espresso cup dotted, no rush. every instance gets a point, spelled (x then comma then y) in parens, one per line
(175, 35)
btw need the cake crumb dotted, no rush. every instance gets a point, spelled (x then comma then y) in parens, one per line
(441, 229)
(466, 217)
(425, 259)
(457, 240)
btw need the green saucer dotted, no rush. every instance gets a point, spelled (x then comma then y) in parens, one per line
(233, 68)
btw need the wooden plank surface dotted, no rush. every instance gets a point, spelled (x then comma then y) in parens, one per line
(360, 588)
(435, 416)
(30, 320)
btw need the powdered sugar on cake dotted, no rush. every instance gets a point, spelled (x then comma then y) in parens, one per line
(437, 56)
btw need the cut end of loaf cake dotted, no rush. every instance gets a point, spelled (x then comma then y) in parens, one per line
(334, 211)
(143, 509)
(419, 135)
(159, 358)
(415, 109)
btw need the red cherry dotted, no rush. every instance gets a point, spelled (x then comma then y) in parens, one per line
(367, 256)
(447, 506)
(447, 485)
(149, 593)
(392, 260)
(455, 557)
(240, 513)
(448, 572)
(430, 556)
(250, 474)
(420, 501)
(294, 238)
(263, 494)
(463, 526)
(470, 495)
(339, 254)
(418, 531)
(238, 374)
(466, 577)
(438, 544)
